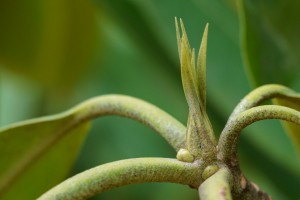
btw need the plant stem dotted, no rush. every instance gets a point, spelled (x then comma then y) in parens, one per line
(163, 123)
(168, 127)
(124, 172)
(263, 93)
(227, 146)
(217, 187)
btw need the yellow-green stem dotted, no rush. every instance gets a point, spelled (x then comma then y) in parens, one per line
(227, 146)
(124, 172)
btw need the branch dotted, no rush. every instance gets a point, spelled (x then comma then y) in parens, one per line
(227, 146)
(124, 172)
(217, 187)
(167, 126)
(63, 124)
(261, 94)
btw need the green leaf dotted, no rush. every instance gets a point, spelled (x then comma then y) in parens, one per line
(188, 72)
(37, 154)
(200, 137)
(270, 40)
(201, 67)
(45, 40)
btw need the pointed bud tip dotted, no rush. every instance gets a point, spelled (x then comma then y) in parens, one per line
(182, 27)
(180, 20)
(206, 29)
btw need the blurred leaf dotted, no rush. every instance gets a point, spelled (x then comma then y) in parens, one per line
(141, 25)
(46, 40)
(138, 47)
(271, 52)
(37, 154)
(270, 39)
(292, 129)
(13, 88)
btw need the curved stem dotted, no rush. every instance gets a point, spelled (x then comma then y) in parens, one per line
(217, 187)
(168, 127)
(124, 172)
(227, 146)
(261, 94)
(139, 110)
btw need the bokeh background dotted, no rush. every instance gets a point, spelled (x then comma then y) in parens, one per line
(57, 53)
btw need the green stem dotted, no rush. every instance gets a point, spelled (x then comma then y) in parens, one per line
(168, 127)
(261, 94)
(227, 146)
(217, 187)
(124, 172)
(163, 123)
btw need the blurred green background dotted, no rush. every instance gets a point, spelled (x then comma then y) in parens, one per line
(57, 53)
